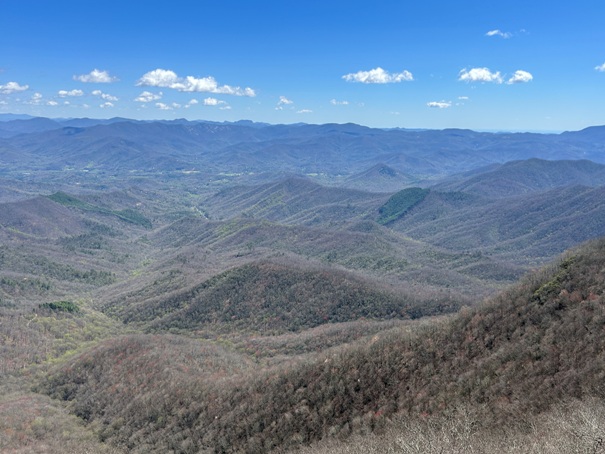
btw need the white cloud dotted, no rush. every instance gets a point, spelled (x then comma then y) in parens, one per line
(147, 96)
(282, 102)
(213, 102)
(339, 103)
(12, 87)
(193, 102)
(158, 78)
(96, 76)
(64, 93)
(519, 77)
(463, 98)
(105, 105)
(378, 76)
(52, 103)
(480, 75)
(497, 32)
(439, 104)
(304, 111)
(162, 106)
(600, 68)
(3, 103)
(105, 96)
(169, 79)
(36, 99)
(225, 108)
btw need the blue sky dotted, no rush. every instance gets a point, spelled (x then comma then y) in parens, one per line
(524, 66)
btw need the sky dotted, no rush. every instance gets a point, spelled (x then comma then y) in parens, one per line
(482, 65)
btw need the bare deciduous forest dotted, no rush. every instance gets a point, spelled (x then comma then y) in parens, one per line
(355, 306)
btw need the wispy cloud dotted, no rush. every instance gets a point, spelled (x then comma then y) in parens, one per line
(65, 93)
(169, 79)
(147, 96)
(52, 103)
(36, 99)
(378, 76)
(96, 76)
(600, 68)
(283, 101)
(105, 96)
(162, 106)
(439, 104)
(334, 102)
(480, 75)
(192, 102)
(304, 111)
(500, 33)
(12, 87)
(520, 77)
(106, 105)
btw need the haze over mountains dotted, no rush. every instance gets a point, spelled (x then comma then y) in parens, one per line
(336, 149)
(188, 267)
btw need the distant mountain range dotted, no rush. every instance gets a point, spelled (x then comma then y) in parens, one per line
(345, 151)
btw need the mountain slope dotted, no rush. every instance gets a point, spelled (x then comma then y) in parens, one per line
(270, 297)
(294, 200)
(532, 175)
(535, 345)
(535, 225)
(379, 178)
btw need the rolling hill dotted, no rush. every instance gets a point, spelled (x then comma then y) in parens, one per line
(505, 358)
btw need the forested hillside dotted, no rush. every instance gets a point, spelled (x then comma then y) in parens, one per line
(531, 347)
(179, 286)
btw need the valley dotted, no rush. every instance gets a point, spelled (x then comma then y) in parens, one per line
(177, 286)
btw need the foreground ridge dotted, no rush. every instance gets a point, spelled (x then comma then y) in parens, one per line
(536, 344)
